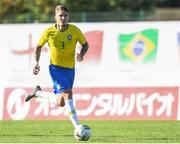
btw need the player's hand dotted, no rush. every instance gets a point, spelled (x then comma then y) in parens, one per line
(79, 57)
(36, 69)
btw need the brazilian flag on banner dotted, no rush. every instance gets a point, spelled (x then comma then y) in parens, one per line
(138, 47)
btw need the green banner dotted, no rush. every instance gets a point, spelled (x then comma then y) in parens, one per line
(138, 47)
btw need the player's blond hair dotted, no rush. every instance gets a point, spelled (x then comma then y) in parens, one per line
(60, 7)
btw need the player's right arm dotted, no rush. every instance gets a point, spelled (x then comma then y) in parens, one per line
(42, 41)
(36, 68)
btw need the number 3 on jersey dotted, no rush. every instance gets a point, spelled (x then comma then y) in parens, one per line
(62, 44)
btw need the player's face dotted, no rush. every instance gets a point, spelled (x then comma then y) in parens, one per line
(61, 17)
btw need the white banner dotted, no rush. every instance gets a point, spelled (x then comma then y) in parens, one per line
(121, 54)
(17, 44)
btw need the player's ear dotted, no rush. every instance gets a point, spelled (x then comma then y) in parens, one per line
(68, 17)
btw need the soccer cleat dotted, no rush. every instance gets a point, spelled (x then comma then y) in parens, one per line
(33, 94)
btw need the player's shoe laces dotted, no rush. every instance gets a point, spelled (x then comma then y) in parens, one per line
(33, 94)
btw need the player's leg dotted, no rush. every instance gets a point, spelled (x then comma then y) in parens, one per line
(63, 79)
(55, 97)
(60, 100)
(70, 109)
(38, 93)
(33, 93)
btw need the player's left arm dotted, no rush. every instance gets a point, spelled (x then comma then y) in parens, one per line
(81, 54)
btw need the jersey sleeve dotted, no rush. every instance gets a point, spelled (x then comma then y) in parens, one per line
(43, 38)
(81, 37)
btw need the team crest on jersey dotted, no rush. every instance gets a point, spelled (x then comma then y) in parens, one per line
(69, 37)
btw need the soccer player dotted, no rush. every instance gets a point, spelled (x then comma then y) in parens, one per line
(62, 39)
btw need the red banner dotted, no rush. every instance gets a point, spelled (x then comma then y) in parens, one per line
(116, 103)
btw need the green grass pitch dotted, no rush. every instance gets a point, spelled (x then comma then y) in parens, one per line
(61, 131)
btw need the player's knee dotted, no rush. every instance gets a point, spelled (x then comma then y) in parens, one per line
(60, 101)
(67, 94)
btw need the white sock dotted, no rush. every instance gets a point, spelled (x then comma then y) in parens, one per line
(71, 112)
(51, 97)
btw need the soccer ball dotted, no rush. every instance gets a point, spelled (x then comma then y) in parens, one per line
(82, 132)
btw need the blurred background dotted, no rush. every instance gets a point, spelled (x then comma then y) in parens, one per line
(131, 71)
(42, 11)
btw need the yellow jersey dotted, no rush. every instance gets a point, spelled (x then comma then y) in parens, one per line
(62, 44)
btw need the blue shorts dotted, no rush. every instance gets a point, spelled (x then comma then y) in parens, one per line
(62, 78)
